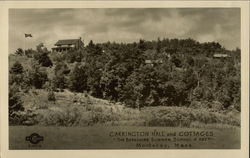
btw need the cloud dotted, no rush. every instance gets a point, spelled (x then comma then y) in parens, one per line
(123, 25)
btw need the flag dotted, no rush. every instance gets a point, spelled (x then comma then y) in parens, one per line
(27, 35)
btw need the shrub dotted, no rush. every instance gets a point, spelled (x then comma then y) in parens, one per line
(61, 68)
(15, 104)
(42, 56)
(19, 51)
(69, 116)
(27, 117)
(49, 86)
(30, 53)
(57, 57)
(51, 96)
(59, 79)
(17, 68)
(37, 76)
(78, 79)
(181, 116)
(43, 59)
(74, 56)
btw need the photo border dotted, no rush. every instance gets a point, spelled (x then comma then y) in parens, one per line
(190, 153)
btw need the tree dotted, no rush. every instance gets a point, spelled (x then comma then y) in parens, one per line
(19, 76)
(15, 103)
(30, 53)
(43, 59)
(91, 44)
(42, 56)
(176, 61)
(17, 68)
(167, 94)
(141, 88)
(142, 45)
(74, 56)
(158, 46)
(61, 68)
(190, 61)
(78, 79)
(37, 76)
(16, 74)
(94, 65)
(19, 51)
(60, 80)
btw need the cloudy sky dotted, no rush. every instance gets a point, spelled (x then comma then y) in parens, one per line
(123, 25)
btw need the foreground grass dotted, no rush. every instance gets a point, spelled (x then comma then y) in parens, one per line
(79, 121)
(78, 109)
(99, 137)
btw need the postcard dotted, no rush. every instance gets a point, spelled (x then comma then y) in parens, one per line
(126, 79)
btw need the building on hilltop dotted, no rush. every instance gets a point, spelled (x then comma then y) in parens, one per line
(68, 45)
(220, 55)
(153, 62)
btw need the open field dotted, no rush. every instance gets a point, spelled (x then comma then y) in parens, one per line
(80, 121)
(103, 137)
(77, 109)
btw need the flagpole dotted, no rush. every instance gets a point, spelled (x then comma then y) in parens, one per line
(24, 44)
(26, 36)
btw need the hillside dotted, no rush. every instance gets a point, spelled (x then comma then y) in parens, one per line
(78, 109)
(168, 82)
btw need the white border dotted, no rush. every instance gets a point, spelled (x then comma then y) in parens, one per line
(241, 153)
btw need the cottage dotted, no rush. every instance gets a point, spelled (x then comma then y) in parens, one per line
(218, 55)
(68, 45)
(153, 62)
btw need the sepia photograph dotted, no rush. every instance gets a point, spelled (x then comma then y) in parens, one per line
(124, 78)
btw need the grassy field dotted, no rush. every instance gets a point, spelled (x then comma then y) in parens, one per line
(80, 121)
(79, 109)
(104, 137)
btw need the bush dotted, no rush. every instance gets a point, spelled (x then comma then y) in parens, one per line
(74, 56)
(181, 116)
(37, 76)
(49, 86)
(15, 104)
(27, 117)
(43, 59)
(69, 116)
(78, 79)
(30, 53)
(57, 57)
(59, 81)
(51, 96)
(42, 56)
(17, 68)
(19, 51)
(61, 69)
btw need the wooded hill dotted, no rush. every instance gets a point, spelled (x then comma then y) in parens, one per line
(167, 72)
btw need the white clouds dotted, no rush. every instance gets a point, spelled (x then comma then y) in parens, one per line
(124, 25)
(118, 35)
(208, 37)
(173, 27)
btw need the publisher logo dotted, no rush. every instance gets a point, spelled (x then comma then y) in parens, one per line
(34, 138)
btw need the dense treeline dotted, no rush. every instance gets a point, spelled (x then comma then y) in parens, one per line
(167, 72)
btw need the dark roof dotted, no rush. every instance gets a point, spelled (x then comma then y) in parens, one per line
(67, 41)
(61, 47)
